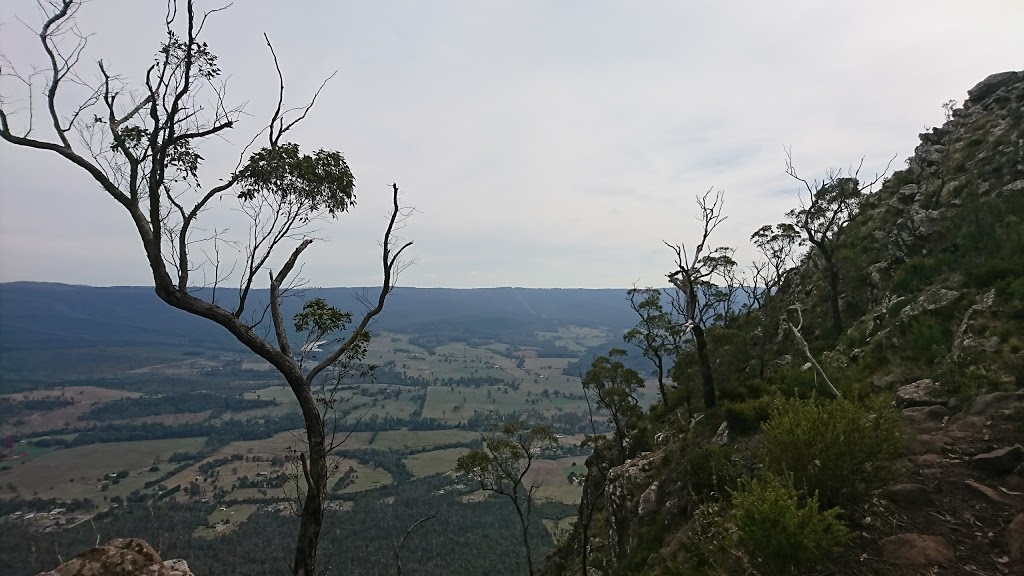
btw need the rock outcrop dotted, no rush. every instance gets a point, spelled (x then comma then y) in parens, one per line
(121, 557)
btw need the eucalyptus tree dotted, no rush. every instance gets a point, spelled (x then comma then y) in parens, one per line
(832, 203)
(143, 143)
(777, 245)
(502, 466)
(657, 333)
(615, 387)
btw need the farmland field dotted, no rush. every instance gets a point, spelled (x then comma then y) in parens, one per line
(436, 462)
(420, 438)
(80, 472)
(453, 384)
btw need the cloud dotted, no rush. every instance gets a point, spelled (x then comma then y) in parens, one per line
(543, 143)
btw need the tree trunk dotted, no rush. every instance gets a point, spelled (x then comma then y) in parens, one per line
(524, 521)
(660, 362)
(707, 379)
(620, 437)
(833, 289)
(585, 536)
(315, 476)
(309, 534)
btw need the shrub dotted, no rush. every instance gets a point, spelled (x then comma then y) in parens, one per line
(709, 471)
(794, 381)
(709, 547)
(778, 534)
(839, 450)
(746, 417)
(916, 273)
(927, 339)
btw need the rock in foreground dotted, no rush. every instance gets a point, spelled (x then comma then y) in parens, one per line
(121, 557)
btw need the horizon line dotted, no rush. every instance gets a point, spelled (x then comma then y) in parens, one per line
(79, 285)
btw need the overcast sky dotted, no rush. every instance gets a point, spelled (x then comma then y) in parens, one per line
(546, 144)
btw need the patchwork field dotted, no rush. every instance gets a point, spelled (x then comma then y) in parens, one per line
(552, 477)
(84, 399)
(575, 338)
(420, 438)
(436, 462)
(225, 519)
(497, 378)
(364, 478)
(80, 472)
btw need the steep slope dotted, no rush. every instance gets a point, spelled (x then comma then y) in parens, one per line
(932, 293)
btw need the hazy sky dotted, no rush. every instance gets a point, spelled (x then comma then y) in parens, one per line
(543, 143)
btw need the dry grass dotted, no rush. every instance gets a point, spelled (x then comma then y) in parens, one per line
(233, 515)
(552, 476)
(85, 399)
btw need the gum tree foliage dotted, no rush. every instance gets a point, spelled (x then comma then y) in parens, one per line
(833, 202)
(699, 299)
(143, 142)
(615, 387)
(778, 247)
(502, 464)
(657, 333)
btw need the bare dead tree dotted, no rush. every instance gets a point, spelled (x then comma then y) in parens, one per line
(795, 331)
(141, 142)
(833, 202)
(694, 271)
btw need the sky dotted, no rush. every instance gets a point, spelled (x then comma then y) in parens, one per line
(542, 144)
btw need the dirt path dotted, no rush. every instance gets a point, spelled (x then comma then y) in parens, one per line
(964, 485)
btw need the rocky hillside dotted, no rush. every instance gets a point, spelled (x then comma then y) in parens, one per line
(121, 557)
(918, 468)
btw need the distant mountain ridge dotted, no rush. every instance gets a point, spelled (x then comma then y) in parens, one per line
(40, 316)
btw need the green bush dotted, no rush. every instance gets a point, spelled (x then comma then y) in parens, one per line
(899, 179)
(987, 273)
(839, 450)
(746, 417)
(742, 390)
(926, 339)
(794, 381)
(779, 534)
(709, 471)
(918, 272)
(709, 546)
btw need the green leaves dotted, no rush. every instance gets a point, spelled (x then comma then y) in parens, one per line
(506, 456)
(840, 450)
(779, 534)
(318, 182)
(175, 51)
(833, 204)
(615, 386)
(321, 318)
(609, 376)
(776, 242)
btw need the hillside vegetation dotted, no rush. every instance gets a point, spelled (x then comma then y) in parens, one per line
(873, 432)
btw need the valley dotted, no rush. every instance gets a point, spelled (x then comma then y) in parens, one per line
(94, 434)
